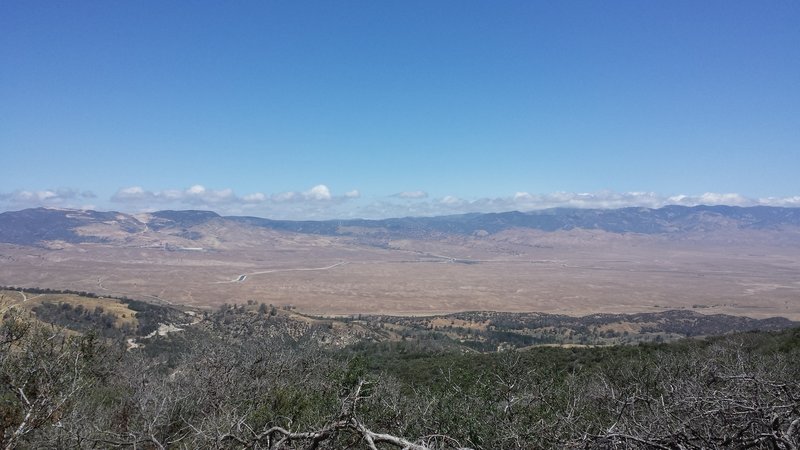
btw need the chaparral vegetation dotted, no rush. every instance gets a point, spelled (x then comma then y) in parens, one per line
(218, 383)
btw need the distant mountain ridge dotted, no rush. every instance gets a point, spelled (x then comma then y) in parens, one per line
(625, 220)
(33, 226)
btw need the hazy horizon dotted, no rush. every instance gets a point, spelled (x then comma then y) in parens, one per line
(484, 206)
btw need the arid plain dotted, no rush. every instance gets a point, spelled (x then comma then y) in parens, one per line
(575, 272)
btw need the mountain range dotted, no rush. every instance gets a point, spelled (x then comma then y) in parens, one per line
(34, 226)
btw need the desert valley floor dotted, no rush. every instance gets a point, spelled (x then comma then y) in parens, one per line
(572, 272)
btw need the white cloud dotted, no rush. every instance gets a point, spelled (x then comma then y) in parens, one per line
(319, 192)
(711, 198)
(318, 201)
(451, 200)
(411, 194)
(170, 194)
(602, 199)
(724, 199)
(222, 196)
(132, 193)
(196, 190)
(286, 196)
(256, 197)
(194, 195)
(62, 197)
(46, 195)
(776, 201)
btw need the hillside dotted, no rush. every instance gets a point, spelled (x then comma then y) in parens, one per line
(143, 323)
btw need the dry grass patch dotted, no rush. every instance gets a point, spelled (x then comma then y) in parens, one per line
(28, 301)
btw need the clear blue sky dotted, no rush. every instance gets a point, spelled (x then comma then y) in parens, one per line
(317, 109)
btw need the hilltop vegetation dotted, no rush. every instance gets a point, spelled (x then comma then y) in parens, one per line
(77, 391)
(255, 376)
(110, 317)
(477, 331)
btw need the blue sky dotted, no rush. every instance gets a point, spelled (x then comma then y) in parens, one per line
(374, 109)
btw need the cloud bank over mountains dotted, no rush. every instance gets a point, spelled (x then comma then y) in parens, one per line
(320, 202)
(65, 197)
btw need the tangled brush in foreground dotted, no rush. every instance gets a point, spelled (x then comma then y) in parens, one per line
(70, 391)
